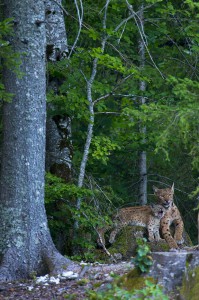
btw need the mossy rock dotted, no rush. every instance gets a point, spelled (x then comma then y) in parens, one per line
(190, 285)
(125, 242)
(134, 280)
(160, 246)
(100, 256)
(187, 239)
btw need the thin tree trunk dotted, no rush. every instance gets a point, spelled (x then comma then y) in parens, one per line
(142, 154)
(89, 132)
(26, 246)
(90, 82)
(91, 110)
(87, 143)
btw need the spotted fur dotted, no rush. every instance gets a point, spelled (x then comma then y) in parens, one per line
(145, 216)
(172, 215)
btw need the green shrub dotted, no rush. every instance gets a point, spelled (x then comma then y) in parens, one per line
(150, 291)
(142, 260)
(60, 202)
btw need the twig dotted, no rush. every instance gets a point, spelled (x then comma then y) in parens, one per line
(80, 19)
(143, 36)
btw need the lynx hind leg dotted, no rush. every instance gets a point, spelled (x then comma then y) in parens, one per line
(179, 227)
(113, 234)
(165, 228)
(101, 232)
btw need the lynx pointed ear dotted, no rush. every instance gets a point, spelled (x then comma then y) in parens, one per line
(152, 205)
(172, 188)
(155, 189)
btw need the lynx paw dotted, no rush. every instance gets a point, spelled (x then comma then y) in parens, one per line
(111, 240)
(173, 250)
(160, 240)
(180, 242)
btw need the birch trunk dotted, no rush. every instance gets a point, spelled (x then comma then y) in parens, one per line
(142, 154)
(91, 119)
(91, 109)
(25, 242)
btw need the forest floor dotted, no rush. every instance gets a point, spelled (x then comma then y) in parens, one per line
(92, 277)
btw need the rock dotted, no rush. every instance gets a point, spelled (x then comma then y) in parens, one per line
(42, 279)
(177, 272)
(117, 256)
(134, 280)
(168, 268)
(69, 275)
(54, 280)
(125, 245)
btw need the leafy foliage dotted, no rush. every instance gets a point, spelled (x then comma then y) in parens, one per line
(62, 213)
(150, 291)
(142, 260)
(102, 147)
(170, 112)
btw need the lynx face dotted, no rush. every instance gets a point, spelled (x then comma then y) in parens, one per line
(158, 210)
(164, 196)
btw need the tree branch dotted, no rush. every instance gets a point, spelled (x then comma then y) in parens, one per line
(143, 36)
(80, 20)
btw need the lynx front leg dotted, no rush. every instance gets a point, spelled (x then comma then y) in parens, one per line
(179, 226)
(101, 232)
(150, 233)
(157, 235)
(165, 228)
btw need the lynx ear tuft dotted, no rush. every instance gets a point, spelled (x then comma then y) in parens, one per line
(172, 188)
(155, 189)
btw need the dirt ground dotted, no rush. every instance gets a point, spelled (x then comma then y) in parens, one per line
(91, 277)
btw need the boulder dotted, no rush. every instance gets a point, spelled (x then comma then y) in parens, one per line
(125, 243)
(177, 272)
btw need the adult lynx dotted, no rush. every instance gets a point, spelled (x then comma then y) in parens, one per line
(172, 215)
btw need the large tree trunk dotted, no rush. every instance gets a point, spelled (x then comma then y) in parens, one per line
(25, 242)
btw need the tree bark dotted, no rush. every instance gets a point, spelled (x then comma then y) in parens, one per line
(58, 131)
(55, 30)
(59, 149)
(25, 242)
(142, 154)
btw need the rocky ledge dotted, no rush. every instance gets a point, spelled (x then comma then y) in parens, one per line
(177, 272)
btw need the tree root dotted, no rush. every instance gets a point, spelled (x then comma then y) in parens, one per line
(17, 266)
